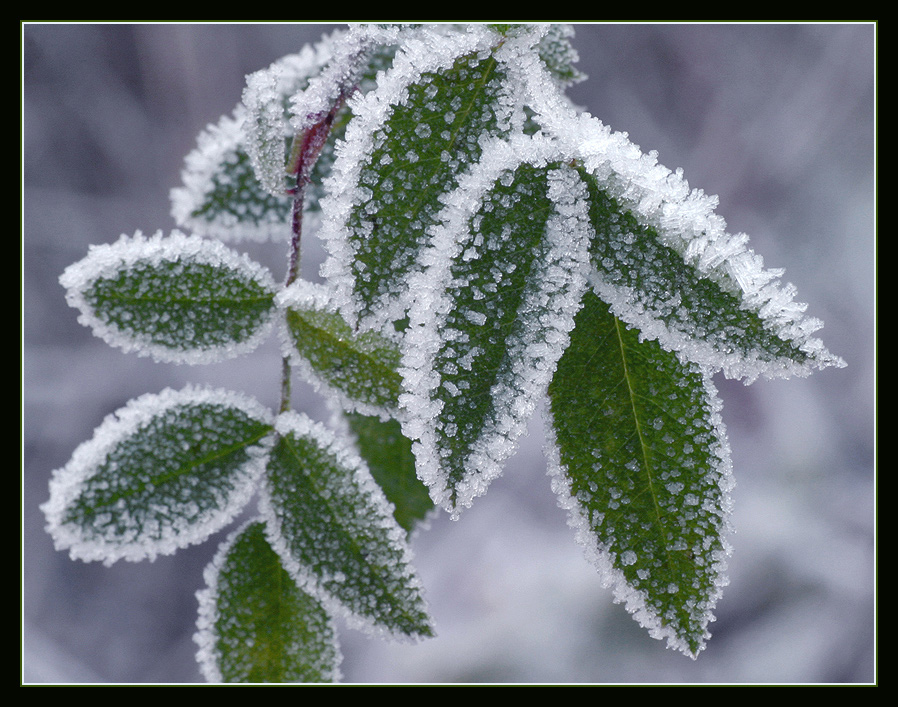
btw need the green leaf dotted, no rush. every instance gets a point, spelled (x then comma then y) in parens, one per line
(334, 529)
(410, 139)
(235, 182)
(665, 261)
(490, 320)
(255, 625)
(164, 472)
(360, 369)
(389, 456)
(643, 465)
(180, 299)
(696, 313)
(221, 196)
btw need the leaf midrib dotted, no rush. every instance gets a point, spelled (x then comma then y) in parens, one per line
(643, 445)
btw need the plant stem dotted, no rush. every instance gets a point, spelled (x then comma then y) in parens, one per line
(292, 275)
(307, 147)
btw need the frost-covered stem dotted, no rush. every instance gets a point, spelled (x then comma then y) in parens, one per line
(296, 231)
(306, 149)
(286, 386)
(292, 274)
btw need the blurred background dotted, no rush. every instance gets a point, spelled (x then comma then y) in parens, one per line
(778, 120)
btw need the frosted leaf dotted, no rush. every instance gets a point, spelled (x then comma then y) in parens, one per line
(559, 56)
(235, 181)
(389, 179)
(489, 315)
(334, 530)
(359, 369)
(255, 625)
(270, 100)
(220, 196)
(267, 133)
(650, 503)
(665, 261)
(178, 299)
(164, 472)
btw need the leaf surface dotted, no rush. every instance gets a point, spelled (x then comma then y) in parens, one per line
(493, 305)
(180, 299)
(221, 196)
(641, 460)
(164, 472)
(360, 369)
(255, 625)
(389, 456)
(664, 259)
(335, 532)
(409, 140)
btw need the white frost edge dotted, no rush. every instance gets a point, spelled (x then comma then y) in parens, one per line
(598, 554)
(107, 260)
(299, 424)
(686, 222)
(421, 52)
(338, 67)
(304, 294)
(429, 307)
(65, 484)
(207, 615)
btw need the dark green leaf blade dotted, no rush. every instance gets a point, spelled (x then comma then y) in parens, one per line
(163, 473)
(221, 196)
(359, 369)
(490, 319)
(389, 456)
(255, 625)
(643, 465)
(665, 261)
(699, 314)
(178, 299)
(335, 532)
(409, 141)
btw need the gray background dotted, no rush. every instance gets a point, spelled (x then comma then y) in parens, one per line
(778, 120)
